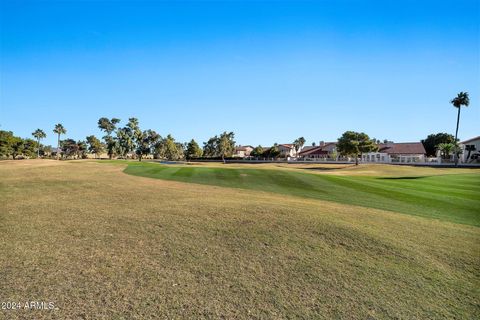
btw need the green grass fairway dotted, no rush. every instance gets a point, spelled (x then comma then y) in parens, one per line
(449, 197)
(102, 244)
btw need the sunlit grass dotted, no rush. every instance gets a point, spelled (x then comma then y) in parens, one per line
(449, 197)
(100, 243)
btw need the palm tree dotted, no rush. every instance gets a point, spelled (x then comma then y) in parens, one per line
(445, 149)
(39, 134)
(298, 145)
(460, 100)
(59, 129)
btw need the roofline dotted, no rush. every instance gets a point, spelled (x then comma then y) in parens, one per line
(466, 141)
(401, 142)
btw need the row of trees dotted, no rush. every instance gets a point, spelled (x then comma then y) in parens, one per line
(127, 141)
(130, 140)
(12, 146)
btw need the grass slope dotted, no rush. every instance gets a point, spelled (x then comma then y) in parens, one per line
(452, 197)
(101, 244)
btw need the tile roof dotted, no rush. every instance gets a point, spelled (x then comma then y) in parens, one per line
(313, 151)
(308, 148)
(402, 148)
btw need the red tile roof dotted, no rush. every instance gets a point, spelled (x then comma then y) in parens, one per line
(308, 148)
(313, 151)
(402, 148)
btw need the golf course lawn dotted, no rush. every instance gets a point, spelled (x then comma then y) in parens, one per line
(129, 240)
(449, 197)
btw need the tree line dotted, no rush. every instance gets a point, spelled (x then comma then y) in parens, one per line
(129, 141)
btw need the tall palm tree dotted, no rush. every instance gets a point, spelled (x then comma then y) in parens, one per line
(59, 129)
(460, 100)
(39, 134)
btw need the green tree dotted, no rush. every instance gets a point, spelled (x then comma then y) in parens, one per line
(129, 138)
(180, 150)
(272, 152)
(226, 145)
(298, 145)
(6, 143)
(460, 100)
(69, 148)
(59, 130)
(17, 147)
(168, 149)
(95, 146)
(446, 149)
(82, 149)
(354, 144)
(125, 143)
(146, 143)
(210, 147)
(29, 148)
(39, 134)
(257, 152)
(135, 133)
(193, 150)
(109, 126)
(433, 140)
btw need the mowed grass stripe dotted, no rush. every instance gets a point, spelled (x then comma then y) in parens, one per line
(414, 201)
(426, 191)
(452, 197)
(463, 184)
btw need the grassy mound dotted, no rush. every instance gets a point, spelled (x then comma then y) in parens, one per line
(103, 244)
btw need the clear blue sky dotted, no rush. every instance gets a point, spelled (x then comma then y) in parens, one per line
(269, 71)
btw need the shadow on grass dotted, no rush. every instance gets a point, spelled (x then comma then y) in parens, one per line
(402, 178)
(320, 168)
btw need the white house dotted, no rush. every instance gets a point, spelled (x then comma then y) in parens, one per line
(243, 151)
(287, 150)
(405, 152)
(470, 150)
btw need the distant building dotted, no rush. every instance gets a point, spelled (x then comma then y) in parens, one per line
(322, 151)
(470, 150)
(243, 151)
(405, 152)
(287, 150)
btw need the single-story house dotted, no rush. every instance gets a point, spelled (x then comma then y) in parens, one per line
(470, 150)
(404, 152)
(322, 151)
(242, 151)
